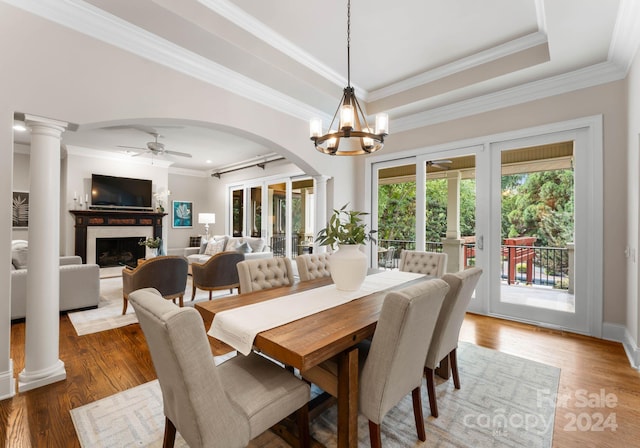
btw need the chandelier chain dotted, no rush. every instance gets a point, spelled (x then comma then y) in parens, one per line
(349, 43)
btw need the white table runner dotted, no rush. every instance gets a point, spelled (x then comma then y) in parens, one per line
(238, 327)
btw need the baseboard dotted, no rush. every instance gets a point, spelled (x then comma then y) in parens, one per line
(7, 383)
(619, 333)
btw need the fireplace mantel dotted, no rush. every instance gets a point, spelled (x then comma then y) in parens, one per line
(112, 218)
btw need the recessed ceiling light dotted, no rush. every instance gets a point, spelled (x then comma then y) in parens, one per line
(208, 161)
(19, 126)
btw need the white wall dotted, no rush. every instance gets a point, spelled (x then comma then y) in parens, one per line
(632, 270)
(20, 183)
(187, 188)
(79, 169)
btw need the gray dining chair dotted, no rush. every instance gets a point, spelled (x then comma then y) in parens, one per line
(433, 264)
(393, 361)
(311, 266)
(264, 273)
(445, 336)
(225, 405)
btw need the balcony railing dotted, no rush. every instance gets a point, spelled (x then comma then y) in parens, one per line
(534, 265)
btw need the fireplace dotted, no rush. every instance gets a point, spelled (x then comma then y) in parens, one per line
(118, 251)
(93, 225)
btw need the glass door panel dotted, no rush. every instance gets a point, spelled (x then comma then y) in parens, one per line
(255, 212)
(395, 212)
(277, 223)
(302, 216)
(237, 212)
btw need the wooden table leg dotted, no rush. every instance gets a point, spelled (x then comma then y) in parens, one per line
(348, 399)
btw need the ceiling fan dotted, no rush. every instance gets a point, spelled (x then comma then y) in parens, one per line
(156, 148)
(442, 164)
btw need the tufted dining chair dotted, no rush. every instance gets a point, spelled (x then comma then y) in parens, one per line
(433, 264)
(445, 336)
(264, 273)
(225, 405)
(166, 273)
(312, 266)
(391, 364)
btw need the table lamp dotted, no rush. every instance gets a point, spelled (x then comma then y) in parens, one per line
(206, 219)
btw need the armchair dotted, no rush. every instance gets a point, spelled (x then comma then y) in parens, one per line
(218, 272)
(167, 274)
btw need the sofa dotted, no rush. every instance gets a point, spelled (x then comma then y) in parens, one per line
(79, 283)
(251, 247)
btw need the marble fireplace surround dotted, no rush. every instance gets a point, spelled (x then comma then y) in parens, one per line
(92, 224)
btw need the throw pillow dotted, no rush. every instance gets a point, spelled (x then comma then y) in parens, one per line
(257, 244)
(233, 243)
(194, 241)
(214, 247)
(244, 248)
(203, 246)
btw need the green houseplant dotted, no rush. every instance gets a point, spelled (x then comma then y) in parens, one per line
(347, 230)
(152, 243)
(350, 230)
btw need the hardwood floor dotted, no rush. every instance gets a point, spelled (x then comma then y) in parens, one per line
(102, 364)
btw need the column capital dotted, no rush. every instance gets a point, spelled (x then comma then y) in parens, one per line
(42, 124)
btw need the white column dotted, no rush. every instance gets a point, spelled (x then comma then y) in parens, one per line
(320, 190)
(42, 338)
(452, 244)
(7, 383)
(453, 204)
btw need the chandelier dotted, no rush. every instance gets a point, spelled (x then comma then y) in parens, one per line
(354, 136)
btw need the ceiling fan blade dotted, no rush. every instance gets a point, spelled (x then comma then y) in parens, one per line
(176, 153)
(132, 147)
(437, 165)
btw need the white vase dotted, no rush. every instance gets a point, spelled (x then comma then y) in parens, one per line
(348, 267)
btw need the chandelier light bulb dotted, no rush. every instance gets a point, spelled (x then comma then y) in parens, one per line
(382, 124)
(315, 127)
(346, 117)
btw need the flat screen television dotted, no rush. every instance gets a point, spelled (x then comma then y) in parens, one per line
(120, 192)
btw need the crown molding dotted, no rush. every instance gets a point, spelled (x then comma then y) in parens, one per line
(483, 57)
(579, 79)
(91, 21)
(626, 34)
(250, 24)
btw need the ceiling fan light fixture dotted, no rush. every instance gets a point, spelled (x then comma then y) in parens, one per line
(354, 136)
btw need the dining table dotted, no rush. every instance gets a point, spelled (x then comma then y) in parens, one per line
(307, 342)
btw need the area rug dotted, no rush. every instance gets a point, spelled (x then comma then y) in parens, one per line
(108, 315)
(505, 401)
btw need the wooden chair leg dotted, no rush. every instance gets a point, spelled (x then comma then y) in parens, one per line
(417, 413)
(374, 435)
(124, 306)
(181, 301)
(193, 293)
(169, 434)
(431, 391)
(303, 427)
(453, 359)
(210, 294)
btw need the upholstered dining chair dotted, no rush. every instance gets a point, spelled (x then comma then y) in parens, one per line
(433, 264)
(392, 362)
(264, 273)
(312, 266)
(166, 273)
(445, 336)
(218, 272)
(225, 405)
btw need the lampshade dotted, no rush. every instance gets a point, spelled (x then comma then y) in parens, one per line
(206, 218)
